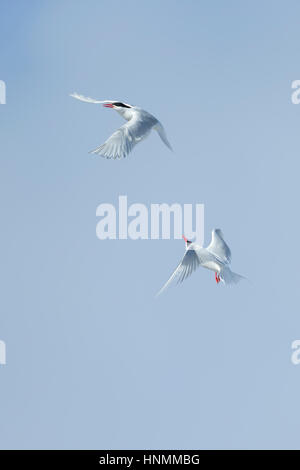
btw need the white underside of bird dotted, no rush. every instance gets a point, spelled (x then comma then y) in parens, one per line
(138, 126)
(215, 257)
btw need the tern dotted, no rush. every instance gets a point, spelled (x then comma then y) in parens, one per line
(216, 257)
(138, 126)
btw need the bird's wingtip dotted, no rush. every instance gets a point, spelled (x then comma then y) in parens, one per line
(158, 293)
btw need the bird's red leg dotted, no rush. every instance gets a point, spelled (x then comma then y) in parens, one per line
(219, 279)
(216, 276)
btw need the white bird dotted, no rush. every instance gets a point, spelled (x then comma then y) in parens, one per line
(216, 257)
(138, 126)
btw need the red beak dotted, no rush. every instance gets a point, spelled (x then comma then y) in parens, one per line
(108, 105)
(185, 239)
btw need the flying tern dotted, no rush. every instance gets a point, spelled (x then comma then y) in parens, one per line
(216, 257)
(138, 126)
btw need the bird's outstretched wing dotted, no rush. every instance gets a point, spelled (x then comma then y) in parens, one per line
(87, 99)
(186, 267)
(121, 142)
(218, 246)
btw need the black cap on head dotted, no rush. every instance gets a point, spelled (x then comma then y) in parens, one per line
(121, 105)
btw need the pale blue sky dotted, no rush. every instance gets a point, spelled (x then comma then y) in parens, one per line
(93, 360)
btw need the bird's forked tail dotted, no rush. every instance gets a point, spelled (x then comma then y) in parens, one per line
(162, 134)
(229, 277)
